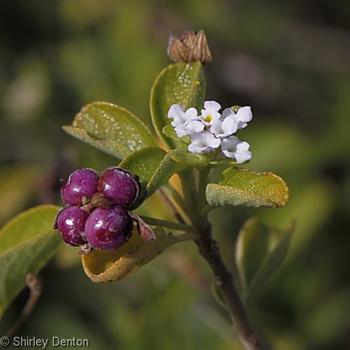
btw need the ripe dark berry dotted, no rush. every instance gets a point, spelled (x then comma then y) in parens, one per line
(119, 185)
(81, 183)
(71, 223)
(108, 228)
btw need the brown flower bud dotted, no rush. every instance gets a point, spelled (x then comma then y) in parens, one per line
(189, 47)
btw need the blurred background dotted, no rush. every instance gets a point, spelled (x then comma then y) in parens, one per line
(289, 60)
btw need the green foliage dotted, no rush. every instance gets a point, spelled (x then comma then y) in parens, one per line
(187, 159)
(169, 132)
(110, 128)
(260, 250)
(243, 187)
(108, 49)
(166, 169)
(27, 242)
(179, 83)
(154, 167)
(144, 162)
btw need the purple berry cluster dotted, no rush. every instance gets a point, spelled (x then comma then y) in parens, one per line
(96, 211)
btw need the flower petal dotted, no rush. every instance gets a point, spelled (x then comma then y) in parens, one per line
(195, 126)
(233, 148)
(214, 143)
(203, 142)
(191, 113)
(230, 142)
(216, 128)
(242, 157)
(241, 125)
(175, 111)
(229, 125)
(195, 148)
(181, 130)
(242, 146)
(227, 112)
(244, 114)
(212, 106)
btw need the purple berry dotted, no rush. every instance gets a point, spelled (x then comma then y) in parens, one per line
(108, 228)
(71, 223)
(81, 183)
(119, 185)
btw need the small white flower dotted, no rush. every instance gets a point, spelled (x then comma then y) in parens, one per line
(210, 130)
(177, 113)
(203, 142)
(188, 128)
(226, 127)
(244, 115)
(234, 148)
(210, 113)
(185, 122)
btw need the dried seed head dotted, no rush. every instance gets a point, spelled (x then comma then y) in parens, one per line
(189, 47)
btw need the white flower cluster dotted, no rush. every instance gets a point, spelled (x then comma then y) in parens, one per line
(211, 129)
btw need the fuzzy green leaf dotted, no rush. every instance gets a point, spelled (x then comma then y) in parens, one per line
(144, 162)
(244, 187)
(179, 83)
(175, 161)
(187, 159)
(27, 242)
(251, 249)
(166, 169)
(260, 250)
(152, 167)
(110, 128)
(155, 167)
(181, 142)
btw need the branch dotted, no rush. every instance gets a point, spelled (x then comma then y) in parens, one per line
(171, 206)
(35, 287)
(224, 281)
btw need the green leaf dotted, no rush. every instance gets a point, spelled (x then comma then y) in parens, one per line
(144, 162)
(105, 266)
(27, 242)
(179, 83)
(166, 169)
(187, 159)
(110, 128)
(175, 161)
(260, 250)
(155, 167)
(244, 187)
(251, 249)
(180, 142)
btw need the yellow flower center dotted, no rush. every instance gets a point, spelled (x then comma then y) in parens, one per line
(208, 118)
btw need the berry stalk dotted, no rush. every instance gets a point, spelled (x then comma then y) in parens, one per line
(168, 224)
